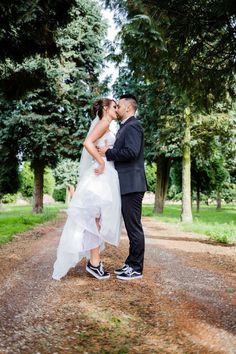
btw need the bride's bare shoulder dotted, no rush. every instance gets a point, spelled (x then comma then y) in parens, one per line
(98, 131)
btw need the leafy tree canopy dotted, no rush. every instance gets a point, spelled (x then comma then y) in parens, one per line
(29, 27)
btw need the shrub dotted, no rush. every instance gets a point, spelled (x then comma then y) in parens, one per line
(59, 194)
(48, 182)
(27, 181)
(9, 198)
(151, 177)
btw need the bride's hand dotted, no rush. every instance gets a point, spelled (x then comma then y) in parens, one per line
(100, 169)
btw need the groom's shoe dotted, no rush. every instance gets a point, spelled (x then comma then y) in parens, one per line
(98, 272)
(130, 274)
(121, 270)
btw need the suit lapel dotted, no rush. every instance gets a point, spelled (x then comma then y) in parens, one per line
(123, 125)
(128, 121)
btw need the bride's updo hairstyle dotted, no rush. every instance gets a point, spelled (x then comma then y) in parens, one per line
(97, 109)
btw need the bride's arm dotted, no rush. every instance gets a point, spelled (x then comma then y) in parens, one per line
(98, 131)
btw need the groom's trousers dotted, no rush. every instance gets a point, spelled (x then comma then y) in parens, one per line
(132, 211)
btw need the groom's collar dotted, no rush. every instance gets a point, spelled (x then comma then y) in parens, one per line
(126, 120)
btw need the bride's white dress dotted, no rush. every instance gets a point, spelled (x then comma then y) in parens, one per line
(95, 196)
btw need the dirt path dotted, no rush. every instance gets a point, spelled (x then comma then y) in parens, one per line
(186, 302)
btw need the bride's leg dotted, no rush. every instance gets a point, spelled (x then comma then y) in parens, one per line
(95, 252)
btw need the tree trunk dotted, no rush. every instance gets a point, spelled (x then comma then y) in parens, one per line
(218, 201)
(71, 191)
(186, 215)
(198, 199)
(67, 196)
(162, 180)
(38, 168)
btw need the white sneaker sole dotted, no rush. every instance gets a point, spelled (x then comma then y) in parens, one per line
(124, 278)
(118, 273)
(96, 275)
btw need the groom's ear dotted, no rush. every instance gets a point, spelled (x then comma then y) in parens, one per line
(127, 106)
(131, 107)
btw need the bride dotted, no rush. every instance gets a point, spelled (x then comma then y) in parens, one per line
(94, 213)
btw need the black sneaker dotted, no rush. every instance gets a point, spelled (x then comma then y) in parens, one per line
(130, 274)
(121, 270)
(98, 272)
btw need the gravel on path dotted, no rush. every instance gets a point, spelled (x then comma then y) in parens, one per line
(185, 303)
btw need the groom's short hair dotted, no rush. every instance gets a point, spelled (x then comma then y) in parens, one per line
(132, 100)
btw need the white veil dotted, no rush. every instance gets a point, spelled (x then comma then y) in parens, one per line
(86, 159)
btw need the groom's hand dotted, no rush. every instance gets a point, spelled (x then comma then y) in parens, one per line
(102, 150)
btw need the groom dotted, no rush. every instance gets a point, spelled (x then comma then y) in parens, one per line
(127, 154)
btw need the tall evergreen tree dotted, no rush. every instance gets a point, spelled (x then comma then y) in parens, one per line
(194, 43)
(46, 94)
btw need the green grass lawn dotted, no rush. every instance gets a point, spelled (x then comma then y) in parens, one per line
(218, 225)
(15, 219)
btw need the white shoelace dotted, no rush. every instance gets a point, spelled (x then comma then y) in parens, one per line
(129, 270)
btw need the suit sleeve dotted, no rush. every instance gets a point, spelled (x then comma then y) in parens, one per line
(132, 145)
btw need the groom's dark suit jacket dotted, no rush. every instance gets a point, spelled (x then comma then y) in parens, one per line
(127, 153)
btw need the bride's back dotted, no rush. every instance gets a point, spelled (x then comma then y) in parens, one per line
(108, 139)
